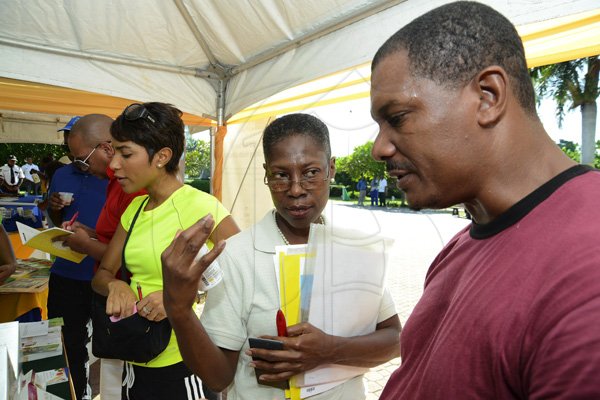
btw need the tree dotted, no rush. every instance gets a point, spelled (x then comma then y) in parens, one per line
(360, 163)
(35, 150)
(197, 158)
(572, 150)
(563, 82)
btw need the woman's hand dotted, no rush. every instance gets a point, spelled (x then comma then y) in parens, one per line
(181, 274)
(151, 307)
(121, 299)
(305, 348)
(6, 271)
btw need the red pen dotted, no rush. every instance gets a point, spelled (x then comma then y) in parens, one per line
(139, 289)
(281, 324)
(73, 218)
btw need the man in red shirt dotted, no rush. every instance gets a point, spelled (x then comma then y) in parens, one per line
(511, 306)
(90, 145)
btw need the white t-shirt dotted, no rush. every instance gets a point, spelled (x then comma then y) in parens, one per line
(27, 168)
(245, 305)
(382, 184)
(5, 174)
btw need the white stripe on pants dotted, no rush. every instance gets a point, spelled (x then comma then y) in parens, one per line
(111, 372)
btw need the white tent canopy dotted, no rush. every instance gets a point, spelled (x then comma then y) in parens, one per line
(209, 57)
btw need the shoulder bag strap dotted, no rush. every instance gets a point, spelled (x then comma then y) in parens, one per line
(123, 272)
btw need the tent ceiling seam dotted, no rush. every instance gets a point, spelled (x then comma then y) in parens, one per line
(215, 65)
(197, 72)
(311, 36)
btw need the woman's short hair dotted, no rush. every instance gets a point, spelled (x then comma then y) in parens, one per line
(292, 125)
(162, 127)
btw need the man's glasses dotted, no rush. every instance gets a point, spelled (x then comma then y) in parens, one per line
(311, 182)
(83, 165)
(137, 111)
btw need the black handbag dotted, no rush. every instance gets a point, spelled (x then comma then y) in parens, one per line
(134, 338)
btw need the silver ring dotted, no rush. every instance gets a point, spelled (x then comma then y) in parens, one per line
(145, 310)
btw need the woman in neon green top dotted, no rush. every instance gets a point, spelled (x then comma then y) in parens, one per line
(148, 140)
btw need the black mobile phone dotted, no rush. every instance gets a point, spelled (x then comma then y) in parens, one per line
(268, 344)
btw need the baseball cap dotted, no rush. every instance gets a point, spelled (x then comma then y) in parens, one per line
(12, 157)
(69, 125)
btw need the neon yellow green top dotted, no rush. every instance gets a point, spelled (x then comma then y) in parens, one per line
(153, 232)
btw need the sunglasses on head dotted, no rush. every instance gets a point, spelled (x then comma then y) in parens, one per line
(137, 111)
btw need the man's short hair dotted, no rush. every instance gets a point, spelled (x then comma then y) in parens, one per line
(452, 43)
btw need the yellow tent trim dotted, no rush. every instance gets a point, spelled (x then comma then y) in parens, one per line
(324, 90)
(33, 97)
(539, 30)
(300, 107)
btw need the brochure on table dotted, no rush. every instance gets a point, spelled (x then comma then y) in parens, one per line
(30, 276)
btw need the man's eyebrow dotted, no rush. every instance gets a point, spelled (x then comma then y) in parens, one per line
(383, 110)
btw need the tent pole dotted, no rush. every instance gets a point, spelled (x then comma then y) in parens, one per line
(219, 137)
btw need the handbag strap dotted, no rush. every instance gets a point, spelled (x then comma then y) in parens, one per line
(123, 272)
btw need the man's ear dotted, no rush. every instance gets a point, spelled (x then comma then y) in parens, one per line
(332, 168)
(492, 86)
(108, 149)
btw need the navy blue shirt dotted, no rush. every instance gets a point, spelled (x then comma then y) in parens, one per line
(89, 195)
(361, 185)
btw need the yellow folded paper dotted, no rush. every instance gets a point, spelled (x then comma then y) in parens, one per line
(42, 240)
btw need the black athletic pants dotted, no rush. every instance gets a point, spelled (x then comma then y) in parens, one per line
(72, 300)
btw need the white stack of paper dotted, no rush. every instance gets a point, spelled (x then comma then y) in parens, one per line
(9, 359)
(40, 339)
(348, 269)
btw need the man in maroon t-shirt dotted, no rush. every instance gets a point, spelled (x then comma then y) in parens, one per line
(90, 144)
(511, 306)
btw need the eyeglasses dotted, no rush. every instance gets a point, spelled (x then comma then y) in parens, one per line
(137, 111)
(83, 165)
(307, 183)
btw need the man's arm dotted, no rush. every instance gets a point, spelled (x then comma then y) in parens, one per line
(55, 208)
(21, 177)
(83, 240)
(226, 228)
(214, 365)
(307, 347)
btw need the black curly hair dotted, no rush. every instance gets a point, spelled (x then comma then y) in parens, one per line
(452, 43)
(296, 124)
(167, 130)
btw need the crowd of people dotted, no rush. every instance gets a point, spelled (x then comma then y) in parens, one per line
(511, 305)
(13, 177)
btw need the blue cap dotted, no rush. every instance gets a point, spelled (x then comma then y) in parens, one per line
(69, 126)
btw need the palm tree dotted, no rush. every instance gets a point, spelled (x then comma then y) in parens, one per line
(563, 82)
